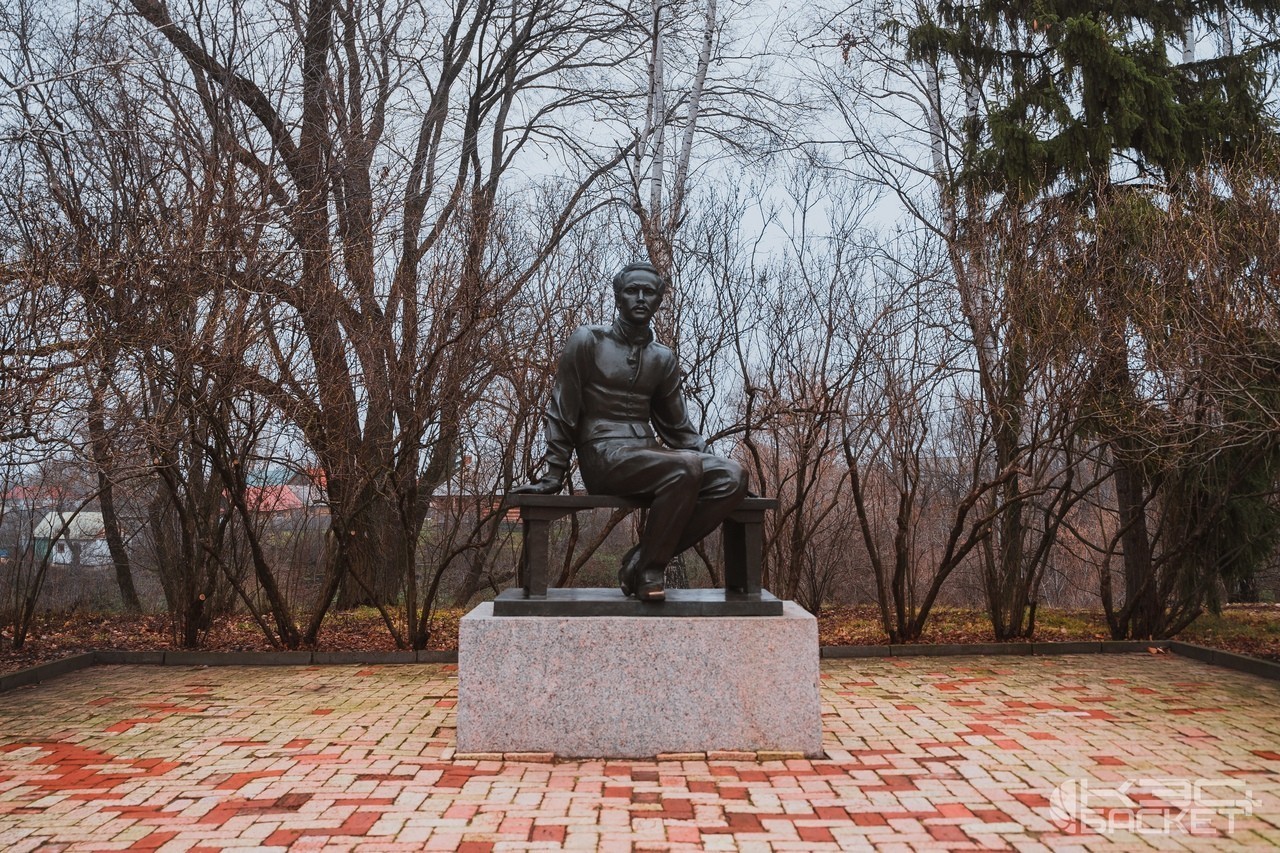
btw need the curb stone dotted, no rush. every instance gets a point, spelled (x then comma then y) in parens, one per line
(115, 657)
(1067, 648)
(112, 656)
(45, 671)
(907, 650)
(1124, 646)
(854, 652)
(1229, 660)
(425, 656)
(364, 657)
(911, 650)
(182, 658)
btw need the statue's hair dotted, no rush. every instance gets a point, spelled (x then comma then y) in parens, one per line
(639, 266)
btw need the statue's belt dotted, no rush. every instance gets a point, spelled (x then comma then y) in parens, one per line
(603, 430)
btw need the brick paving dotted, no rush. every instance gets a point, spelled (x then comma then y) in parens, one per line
(922, 753)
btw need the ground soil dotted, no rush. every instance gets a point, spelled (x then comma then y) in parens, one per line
(1247, 629)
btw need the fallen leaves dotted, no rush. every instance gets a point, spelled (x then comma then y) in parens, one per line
(1251, 630)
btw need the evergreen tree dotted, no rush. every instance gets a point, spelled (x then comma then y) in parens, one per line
(1107, 105)
(1068, 94)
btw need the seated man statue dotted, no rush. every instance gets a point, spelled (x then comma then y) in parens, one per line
(617, 392)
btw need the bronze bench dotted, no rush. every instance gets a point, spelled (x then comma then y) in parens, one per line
(742, 534)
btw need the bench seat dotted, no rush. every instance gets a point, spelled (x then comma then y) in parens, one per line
(742, 534)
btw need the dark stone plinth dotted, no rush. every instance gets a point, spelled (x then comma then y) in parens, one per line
(597, 601)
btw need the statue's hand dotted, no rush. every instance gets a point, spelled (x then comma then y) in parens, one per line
(545, 486)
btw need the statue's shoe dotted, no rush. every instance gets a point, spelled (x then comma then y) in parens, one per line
(627, 571)
(649, 587)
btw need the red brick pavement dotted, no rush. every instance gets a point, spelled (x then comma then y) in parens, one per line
(924, 754)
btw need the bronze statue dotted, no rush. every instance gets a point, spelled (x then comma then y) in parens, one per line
(617, 393)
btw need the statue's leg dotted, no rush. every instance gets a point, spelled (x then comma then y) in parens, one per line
(627, 577)
(722, 490)
(671, 479)
(675, 497)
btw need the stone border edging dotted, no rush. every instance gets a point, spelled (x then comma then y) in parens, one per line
(1216, 657)
(1229, 660)
(45, 671)
(912, 650)
(62, 666)
(52, 669)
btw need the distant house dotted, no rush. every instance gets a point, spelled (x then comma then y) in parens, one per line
(310, 486)
(33, 498)
(72, 540)
(277, 506)
(461, 494)
(272, 499)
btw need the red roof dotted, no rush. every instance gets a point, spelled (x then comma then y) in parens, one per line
(38, 493)
(271, 499)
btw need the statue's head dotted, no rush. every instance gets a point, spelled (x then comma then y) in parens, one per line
(638, 289)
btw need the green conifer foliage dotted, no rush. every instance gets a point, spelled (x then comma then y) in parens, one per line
(1115, 107)
(1070, 92)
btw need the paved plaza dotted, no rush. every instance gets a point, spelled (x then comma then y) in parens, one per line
(1029, 753)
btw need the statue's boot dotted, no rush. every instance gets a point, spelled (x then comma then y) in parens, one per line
(628, 577)
(649, 584)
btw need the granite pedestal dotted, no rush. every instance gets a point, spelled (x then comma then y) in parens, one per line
(638, 686)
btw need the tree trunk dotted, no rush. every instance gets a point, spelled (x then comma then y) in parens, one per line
(100, 446)
(1140, 615)
(374, 555)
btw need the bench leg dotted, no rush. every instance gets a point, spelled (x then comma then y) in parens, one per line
(533, 557)
(743, 550)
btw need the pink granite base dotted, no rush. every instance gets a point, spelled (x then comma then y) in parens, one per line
(635, 687)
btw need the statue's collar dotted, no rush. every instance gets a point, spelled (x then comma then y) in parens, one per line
(632, 333)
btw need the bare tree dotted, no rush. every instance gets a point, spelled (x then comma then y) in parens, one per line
(385, 142)
(907, 121)
(918, 450)
(789, 323)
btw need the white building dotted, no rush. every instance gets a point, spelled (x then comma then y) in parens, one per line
(78, 540)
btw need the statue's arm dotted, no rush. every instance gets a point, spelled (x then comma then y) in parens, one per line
(564, 410)
(670, 414)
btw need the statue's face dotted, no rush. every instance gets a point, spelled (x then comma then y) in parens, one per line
(639, 297)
